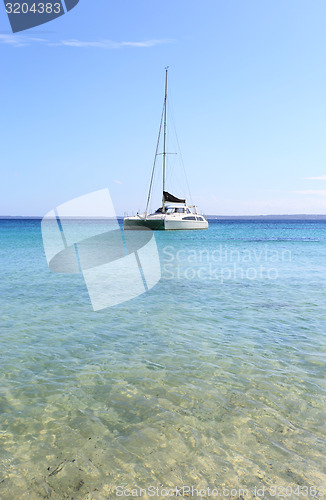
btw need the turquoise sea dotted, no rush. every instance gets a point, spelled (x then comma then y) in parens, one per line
(213, 380)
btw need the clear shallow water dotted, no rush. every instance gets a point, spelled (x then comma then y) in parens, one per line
(214, 378)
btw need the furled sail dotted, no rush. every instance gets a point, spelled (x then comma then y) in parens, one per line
(171, 198)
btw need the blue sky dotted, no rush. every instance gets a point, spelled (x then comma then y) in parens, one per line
(81, 99)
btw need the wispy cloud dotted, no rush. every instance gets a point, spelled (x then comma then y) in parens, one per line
(110, 44)
(24, 41)
(318, 178)
(320, 192)
(20, 41)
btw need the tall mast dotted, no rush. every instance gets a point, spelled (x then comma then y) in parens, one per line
(154, 164)
(164, 142)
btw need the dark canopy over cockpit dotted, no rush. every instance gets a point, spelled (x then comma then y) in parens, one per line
(171, 198)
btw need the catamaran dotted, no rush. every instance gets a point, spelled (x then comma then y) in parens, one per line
(174, 212)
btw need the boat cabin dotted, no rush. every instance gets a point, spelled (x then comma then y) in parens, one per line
(176, 208)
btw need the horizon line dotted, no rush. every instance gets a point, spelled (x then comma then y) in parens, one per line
(296, 215)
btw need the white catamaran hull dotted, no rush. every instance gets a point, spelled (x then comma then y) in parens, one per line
(171, 224)
(165, 223)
